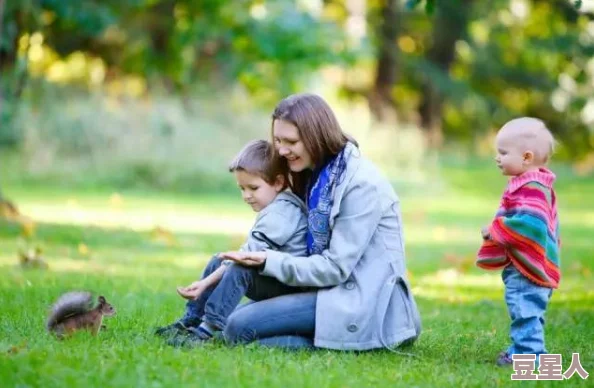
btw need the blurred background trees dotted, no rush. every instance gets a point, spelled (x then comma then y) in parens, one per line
(455, 69)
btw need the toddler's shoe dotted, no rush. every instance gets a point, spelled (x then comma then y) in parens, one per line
(504, 359)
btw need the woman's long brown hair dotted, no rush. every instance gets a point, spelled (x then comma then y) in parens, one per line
(318, 128)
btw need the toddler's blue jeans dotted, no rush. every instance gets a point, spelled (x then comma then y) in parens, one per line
(526, 303)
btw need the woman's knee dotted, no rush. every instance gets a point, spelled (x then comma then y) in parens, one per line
(239, 329)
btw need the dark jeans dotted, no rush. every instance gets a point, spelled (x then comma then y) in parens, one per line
(217, 303)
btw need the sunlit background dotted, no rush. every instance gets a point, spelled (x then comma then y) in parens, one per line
(161, 93)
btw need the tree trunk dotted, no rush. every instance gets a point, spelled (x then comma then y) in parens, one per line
(5, 205)
(451, 20)
(160, 26)
(381, 103)
(20, 16)
(13, 75)
(2, 3)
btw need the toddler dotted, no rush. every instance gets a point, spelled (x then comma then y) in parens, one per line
(523, 239)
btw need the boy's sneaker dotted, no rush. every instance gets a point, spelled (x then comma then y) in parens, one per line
(177, 327)
(191, 338)
(504, 359)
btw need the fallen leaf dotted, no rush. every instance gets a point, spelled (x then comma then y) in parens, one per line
(15, 349)
(32, 258)
(418, 216)
(409, 275)
(8, 209)
(584, 167)
(83, 249)
(462, 263)
(163, 235)
(116, 200)
(27, 226)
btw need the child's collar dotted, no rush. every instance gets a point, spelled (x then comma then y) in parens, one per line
(543, 175)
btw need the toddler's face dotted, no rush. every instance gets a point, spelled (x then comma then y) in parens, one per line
(510, 157)
(255, 191)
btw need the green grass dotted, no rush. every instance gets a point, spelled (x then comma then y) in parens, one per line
(464, 318)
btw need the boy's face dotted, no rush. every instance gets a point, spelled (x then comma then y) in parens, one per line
(511, 158)
(255, 191)
(290, 146)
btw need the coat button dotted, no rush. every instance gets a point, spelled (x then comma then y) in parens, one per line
(352, 328)
(350, 285)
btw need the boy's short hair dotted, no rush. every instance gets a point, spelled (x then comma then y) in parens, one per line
(257, 157)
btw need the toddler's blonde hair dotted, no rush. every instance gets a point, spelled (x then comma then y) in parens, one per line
(533, 135)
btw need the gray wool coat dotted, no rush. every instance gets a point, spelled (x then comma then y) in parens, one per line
(365, 300)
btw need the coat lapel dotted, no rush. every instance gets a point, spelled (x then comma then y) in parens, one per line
(353, 164)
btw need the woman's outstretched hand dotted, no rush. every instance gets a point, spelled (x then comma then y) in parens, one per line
(248, 259)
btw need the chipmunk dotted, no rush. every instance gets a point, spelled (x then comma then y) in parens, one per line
(74, 311)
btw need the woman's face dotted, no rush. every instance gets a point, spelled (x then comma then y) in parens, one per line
(289, 145)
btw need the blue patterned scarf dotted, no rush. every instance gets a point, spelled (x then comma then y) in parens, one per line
(320, 197)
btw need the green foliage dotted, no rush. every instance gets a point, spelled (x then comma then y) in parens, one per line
(529, 57)
(429, 5)
(531, 60)
(177, 39)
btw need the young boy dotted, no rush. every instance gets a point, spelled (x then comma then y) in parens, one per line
(281, 224)
(523, 239)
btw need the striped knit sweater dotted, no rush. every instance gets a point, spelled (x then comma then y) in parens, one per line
(525, 231)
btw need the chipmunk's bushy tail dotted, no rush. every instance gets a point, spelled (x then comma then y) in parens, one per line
(68, 305)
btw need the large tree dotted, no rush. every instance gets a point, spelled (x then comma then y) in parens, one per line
(450, 23)
(381, 101)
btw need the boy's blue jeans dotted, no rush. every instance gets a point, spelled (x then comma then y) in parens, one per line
(218, 302)
(195, 308)
(527, 303)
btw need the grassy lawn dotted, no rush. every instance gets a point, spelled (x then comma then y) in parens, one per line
(107, 242)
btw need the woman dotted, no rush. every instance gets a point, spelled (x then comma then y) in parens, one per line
(355, 272)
